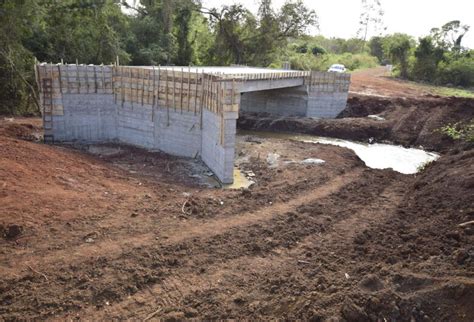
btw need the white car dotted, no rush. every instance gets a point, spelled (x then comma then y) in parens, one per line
(337, 68)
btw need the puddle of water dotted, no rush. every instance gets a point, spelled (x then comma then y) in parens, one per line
(240, 181)
(376, 156)
(376, 117)
(103, 150)
(313, 161)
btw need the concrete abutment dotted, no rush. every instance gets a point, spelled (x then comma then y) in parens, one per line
(176, 110)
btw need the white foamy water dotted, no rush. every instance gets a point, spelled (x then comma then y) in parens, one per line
(383, 156)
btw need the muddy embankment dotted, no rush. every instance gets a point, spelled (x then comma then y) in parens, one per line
(427, 225)
(130, 237)
(408, 122)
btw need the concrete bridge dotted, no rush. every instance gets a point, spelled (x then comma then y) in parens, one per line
(185, 111)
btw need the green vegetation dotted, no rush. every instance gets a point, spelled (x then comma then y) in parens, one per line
(183, 32)
(438, 58)
(458, 131)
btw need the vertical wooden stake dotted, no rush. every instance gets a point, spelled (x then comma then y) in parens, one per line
(153, 98)
(95, 78)
(211, 85)
(174, 91)
(218, 99)
(166, 89)
(142, 72)
(157, 97)
(130, 83)
(201, 109)
(196, 91)
(167, 105)
(181, 92)
(233, 93)
(189, 88)
(221, 113)
(102, 67)
(87, 77)
(78, 79)
(60, 79)
(148, 100)
(122, 88)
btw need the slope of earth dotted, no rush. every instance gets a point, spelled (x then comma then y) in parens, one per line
(405, 121)
(97, 234)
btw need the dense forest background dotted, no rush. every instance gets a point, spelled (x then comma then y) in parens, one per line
(183, 32)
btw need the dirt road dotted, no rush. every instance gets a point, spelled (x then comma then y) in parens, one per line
(376, 82)
(115, 232)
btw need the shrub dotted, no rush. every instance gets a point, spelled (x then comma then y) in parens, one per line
(318, 50)
(458, 131)
(457, 72)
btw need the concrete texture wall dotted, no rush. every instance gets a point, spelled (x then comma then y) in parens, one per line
(86, 117)
(286, 101)
(218, 145)
(178, 112)
(135, 125)
(269, 84)
(326, 105)
(327, 94)
(324, 95)
(178, 133)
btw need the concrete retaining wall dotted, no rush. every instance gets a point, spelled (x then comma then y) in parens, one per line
(326, 105)
(178, 133)
(327, 94)
(86, 117)
(184, 114)
(324, 95)
(181, 113)
(286, 101)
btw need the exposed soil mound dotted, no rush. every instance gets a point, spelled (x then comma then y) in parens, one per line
(363, 106)
(24, 131)
(424, 234)
(349, 128)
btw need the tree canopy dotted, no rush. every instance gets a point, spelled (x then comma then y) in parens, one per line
(183, 32)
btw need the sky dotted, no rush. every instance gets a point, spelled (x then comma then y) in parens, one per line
(339, 18)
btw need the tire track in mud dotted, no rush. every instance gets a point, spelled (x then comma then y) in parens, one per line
(194, 228)
(153, 262)
(191, 288)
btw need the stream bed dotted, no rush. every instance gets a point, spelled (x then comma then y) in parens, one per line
(376, 155)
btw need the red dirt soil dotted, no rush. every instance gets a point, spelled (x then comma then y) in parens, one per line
(376, 82)
(133, 235)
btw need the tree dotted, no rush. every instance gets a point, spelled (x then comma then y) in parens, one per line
(83, 30)
(161, 32)
(427, 57)
(233, 26)
(318, 50)
(450, 35)
(371, 18)
(245, 39)
(397, 47)
(17, 94)
(376, 48)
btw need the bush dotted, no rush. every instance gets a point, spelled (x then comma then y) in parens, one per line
(425, 60)
(318, 50)
(458, 131)
(457, 72)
